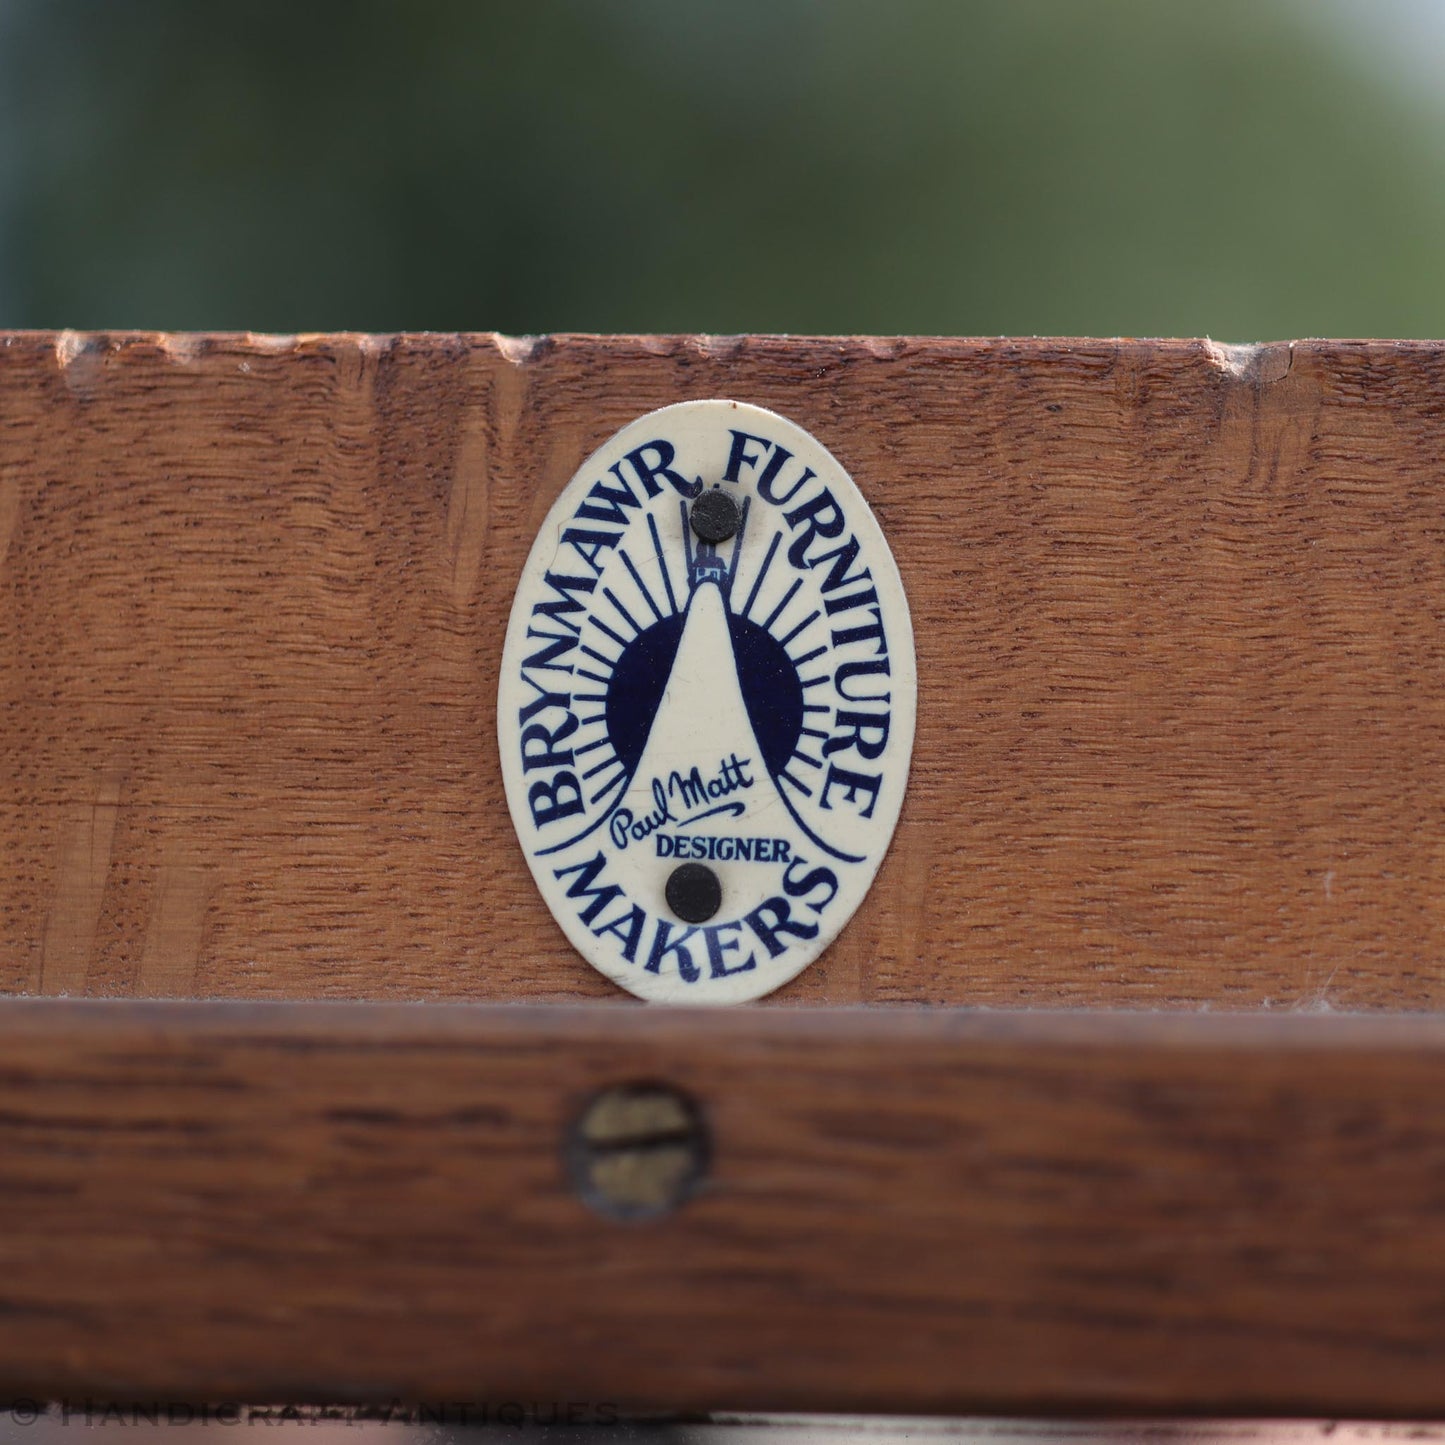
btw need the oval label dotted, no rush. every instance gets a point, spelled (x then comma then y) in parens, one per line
(707, 703)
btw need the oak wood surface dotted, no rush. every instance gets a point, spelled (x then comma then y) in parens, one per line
(907, 1211)
(1181, 732)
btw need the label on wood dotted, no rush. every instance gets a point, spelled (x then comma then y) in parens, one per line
(707, 703)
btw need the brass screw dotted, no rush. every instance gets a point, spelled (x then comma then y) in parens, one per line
(638, 1151)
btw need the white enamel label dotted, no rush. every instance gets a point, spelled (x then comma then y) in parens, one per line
(706, 742)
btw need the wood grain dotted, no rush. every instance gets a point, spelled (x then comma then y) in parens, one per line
(1041, 1211)
(1179, 614)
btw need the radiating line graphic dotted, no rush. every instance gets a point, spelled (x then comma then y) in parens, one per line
(606, 631)
(762, 572)
(686, 543)
(786, 777)
(615, 783)
(811, 618)
(641, 585)
(787, 598)
(662, 562)
(738, 545)
(626, 616)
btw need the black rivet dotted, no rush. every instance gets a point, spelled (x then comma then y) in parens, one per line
(693, 892)
(638, 1150)
(715, 516)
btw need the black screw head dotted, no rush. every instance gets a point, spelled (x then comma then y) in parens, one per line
(693, 892)
(715, 516)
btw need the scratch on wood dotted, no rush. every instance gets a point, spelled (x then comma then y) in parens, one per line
(81, 358)
(482, 458)
(74, 915)
(565, 451)
(1261, 364)
(171, 957)
(466, 531)
(9, 509)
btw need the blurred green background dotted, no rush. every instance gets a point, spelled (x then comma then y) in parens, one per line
(1244, 169)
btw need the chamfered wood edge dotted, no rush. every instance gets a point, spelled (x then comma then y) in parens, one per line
(907, 1211)
(82, 355)
(1257, 362)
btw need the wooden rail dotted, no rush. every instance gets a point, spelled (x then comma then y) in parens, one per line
(1180, 616)
(1181, 639)
(903, 1211)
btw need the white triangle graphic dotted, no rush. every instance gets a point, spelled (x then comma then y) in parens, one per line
(701, 776)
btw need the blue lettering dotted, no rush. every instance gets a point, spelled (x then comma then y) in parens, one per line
(773, 917)
(719, 944)
(582, 888)
(663, 943)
